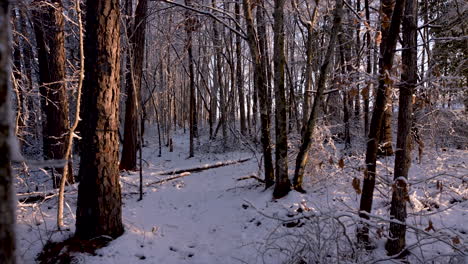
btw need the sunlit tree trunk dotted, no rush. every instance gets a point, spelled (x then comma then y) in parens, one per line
(50, 38)
(99, 208)
(133, 83)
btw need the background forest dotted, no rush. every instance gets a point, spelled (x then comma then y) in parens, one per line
(242, 131)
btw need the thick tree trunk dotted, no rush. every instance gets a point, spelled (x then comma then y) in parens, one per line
(283, 185)
(260, 85)
(49, 28)
(386, 64)
(99, 209)
(133, 83)
(7, 204)
(409, 77)
(302, 156)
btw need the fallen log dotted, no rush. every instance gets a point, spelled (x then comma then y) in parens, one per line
(203, 167)
(186, 172)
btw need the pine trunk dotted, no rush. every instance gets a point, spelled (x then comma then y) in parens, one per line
(133, 83)
(49, 28)
(99, 209)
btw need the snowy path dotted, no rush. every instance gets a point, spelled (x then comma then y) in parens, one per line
(195, 219)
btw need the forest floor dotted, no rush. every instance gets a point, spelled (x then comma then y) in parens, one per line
(212, 217)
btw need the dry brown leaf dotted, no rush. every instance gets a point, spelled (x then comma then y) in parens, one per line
(378, 37)
(357, 185)
(341, 163)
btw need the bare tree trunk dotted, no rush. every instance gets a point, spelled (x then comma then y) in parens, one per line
(302, 156)
(283, 185)
(260, 85)
(99, 209)
(386, 64)
(308, 77)
(385, 135)
(7, 204)
(50, 38)
(240, 75)
(357, 101)
(133, 83)
(366, 91)
(26, 50)
(189, 24)
(409, 77)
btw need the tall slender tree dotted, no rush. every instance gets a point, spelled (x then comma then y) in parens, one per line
(239, 74)
(133, 83)
(49, 28)
(409, 77)
(385, 68)
(99, 210)
(283, 185)
(260, 85)
(302, 156)
(7, 208)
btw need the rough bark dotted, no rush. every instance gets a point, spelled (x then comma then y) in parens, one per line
(133, 83)
(50, 38)
(99, 209)
(302, 156)
(386, 64)
(260, 85)
(7, 209)
(397, 236)
(283, 185)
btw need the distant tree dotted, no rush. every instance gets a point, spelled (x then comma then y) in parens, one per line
(239, 74)
(99, 209)
(50, 38)
(7, 208)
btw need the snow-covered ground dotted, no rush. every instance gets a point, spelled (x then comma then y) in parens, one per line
(211, 217)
